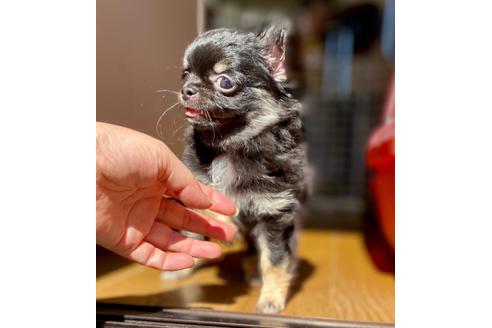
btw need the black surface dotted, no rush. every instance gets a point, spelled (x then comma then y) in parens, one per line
(120, 315)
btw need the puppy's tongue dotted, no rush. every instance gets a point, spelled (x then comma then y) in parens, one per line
(190, 112)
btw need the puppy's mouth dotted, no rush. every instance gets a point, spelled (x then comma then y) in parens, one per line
(193, 113)
(199, 114)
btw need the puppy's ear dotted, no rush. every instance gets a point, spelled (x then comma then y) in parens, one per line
(273, 41)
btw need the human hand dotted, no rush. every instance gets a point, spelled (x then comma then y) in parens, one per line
(136, 178)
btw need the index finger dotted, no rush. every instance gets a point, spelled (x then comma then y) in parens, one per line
(181, 184)
(221, 204)
(179, 217)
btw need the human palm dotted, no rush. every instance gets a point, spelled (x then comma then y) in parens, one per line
(138, 180)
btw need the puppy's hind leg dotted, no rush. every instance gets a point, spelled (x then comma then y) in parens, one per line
(277, 263)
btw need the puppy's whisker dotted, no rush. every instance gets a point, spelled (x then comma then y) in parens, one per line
(213, 132)
(158, 130)
(182, 125)
(166, 90)
(209, 118)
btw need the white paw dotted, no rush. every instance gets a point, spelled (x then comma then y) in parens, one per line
(176, 275)
(270, 304)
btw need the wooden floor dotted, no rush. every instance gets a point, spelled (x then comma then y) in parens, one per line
(337, 280)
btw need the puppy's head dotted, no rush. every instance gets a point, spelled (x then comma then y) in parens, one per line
(234, 80)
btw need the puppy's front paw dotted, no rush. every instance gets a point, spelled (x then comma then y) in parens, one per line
(270, 303)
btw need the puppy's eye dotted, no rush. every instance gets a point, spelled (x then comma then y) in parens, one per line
(225, 84)
(185, 74)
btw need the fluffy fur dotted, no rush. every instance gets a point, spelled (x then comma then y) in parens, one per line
(247, 142)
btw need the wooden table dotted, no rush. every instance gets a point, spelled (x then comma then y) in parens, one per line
(337, 280)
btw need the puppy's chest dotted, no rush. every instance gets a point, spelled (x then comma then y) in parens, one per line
(223, 173)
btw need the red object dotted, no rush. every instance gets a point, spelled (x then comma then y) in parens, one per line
(381, 162)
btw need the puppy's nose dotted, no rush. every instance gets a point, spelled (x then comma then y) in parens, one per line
(187, 92)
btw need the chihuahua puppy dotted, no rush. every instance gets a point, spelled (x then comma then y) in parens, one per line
(245, 139)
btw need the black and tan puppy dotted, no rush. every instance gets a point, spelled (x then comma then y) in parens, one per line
(245, 139)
